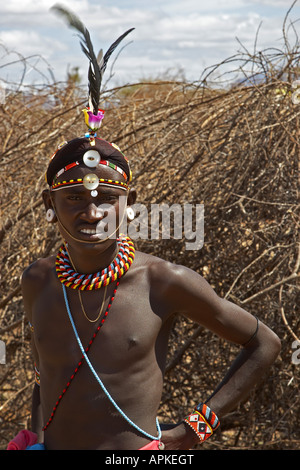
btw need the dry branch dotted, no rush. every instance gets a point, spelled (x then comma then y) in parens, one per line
(233, 149)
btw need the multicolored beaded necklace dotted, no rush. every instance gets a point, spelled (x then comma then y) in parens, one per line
(75, 280)
(118, 267)
(70, 278)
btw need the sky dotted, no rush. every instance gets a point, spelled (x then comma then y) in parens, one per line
(171, 37)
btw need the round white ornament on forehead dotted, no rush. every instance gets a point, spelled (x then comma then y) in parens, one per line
(91, 158)
(91, 181)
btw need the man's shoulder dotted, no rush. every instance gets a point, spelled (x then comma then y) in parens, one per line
(34, 279)
(160, 270)
(172, 280)
(38, 272)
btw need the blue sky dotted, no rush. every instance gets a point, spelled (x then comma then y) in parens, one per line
(169, 35)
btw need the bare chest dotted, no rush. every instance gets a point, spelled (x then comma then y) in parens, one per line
(128, 332)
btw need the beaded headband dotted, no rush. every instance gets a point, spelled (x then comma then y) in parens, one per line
(90, 182)
(91, 150)
(89, 157)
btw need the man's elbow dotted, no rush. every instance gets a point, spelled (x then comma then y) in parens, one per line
(266, 344)
(271, 344)
(276, 345)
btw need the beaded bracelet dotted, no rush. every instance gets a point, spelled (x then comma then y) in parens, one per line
(37, 375)
(203, 421)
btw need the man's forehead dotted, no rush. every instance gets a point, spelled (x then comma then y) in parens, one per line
(81, 190)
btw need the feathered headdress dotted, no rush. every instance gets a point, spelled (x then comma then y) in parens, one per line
(78, 150)
(97, 66)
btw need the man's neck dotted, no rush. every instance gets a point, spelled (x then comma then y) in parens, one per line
(89, 259)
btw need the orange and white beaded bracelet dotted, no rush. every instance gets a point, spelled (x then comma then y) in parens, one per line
(203, 421)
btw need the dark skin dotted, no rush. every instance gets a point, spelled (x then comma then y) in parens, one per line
(129, 353)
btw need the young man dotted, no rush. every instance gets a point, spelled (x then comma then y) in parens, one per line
(128, 351)
(101, 313)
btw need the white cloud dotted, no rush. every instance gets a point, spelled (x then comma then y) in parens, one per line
(31, 43)
(287, 4)
(168, 34)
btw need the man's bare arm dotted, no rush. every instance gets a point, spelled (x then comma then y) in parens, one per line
(192, 296)
(29, 284)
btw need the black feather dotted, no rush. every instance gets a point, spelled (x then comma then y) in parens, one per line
(98, 64)
(112, 48)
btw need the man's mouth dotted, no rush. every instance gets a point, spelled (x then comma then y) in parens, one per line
(96, 232)
(89, 231)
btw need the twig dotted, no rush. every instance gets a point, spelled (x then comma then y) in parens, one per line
(19, 392)
(291, 277)
(284, 317)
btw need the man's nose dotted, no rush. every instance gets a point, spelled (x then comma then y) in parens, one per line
(94, 212)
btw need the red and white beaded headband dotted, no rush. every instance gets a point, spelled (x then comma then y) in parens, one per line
(91, 158)
(90, 182)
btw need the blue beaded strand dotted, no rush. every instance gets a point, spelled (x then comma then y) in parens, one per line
(156, 438)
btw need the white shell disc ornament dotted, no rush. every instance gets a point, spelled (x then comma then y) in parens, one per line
(91, 158)
(91, 181)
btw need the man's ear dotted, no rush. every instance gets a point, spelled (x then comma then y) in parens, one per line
(47, 199)
(48, 205)
(131, 198)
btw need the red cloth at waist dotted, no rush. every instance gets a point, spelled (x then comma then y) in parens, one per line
(22, 440)
(154, 445)
(27, 438)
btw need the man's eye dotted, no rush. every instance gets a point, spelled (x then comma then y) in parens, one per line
(108, 197)
(73, 197)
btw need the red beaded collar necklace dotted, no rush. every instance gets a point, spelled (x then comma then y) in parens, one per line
(117, 268)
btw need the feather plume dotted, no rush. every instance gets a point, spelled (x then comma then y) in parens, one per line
(98, 64)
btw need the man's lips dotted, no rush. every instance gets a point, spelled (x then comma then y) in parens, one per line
(97, 230)
(88, 231)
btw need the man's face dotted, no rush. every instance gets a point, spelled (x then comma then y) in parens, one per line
(90, 218)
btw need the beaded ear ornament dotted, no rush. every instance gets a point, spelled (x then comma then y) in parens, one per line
(93, 115)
